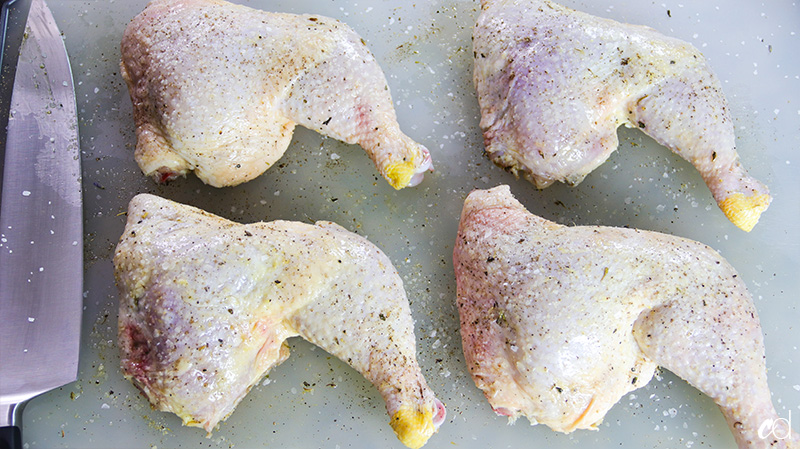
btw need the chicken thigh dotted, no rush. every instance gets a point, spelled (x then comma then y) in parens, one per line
(206, 307)
(558, 323)
(554, 84)
(218, 88)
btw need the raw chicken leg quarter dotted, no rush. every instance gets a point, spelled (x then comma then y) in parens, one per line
(206, 306)
(558, 323)
(554, 85)
(218, 88)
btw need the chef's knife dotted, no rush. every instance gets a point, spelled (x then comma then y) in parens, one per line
(41, 242)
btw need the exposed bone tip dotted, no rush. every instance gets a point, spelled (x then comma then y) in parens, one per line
(744, 211)
(414, 427)
(409, 173)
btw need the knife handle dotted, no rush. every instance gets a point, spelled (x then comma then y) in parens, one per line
(10, 438)
(11, 425)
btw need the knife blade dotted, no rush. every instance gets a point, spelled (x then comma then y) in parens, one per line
(13, 14)
(41, 226)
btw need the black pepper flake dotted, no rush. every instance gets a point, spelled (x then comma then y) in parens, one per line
(327, 121)
(490, 259)
(641, 124)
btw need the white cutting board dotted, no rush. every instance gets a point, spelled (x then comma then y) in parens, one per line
(313, 400)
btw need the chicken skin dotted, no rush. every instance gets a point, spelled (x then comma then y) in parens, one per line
(558, 323)
(206, 306)
(218, 88)
(554, 85)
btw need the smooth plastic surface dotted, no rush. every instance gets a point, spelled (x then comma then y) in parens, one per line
(315, 401)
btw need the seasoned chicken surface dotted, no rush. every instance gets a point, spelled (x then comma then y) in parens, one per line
(218, 88)
(554, 84)
(558, 323)
(206, 307)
